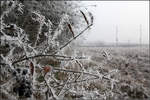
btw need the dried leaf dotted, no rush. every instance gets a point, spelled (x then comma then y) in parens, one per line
(85, 17)
(31, 68)
(47, 69)
(91, 16)
(71, 29)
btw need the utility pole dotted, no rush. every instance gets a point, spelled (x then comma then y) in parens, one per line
(128, 43)
(116, 36)
(140, 38)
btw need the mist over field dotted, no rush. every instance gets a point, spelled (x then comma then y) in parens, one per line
(125, 17)
(74, 50)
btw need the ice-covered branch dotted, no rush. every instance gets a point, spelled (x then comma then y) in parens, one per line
(55, 56)
(96, 76)
(66, 44)
(76, 36)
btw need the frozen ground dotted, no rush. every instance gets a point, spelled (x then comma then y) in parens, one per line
(133, 64)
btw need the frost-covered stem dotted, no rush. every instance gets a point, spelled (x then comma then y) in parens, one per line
(49, 88)
(63, 87)
(52, 55)
(73, 38)
(76, 36)
(96, 76)
(71, 71)
(80, 76)
(80, 67)
(73, 82)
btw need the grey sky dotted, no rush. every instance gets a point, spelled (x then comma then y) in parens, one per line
(127, 15)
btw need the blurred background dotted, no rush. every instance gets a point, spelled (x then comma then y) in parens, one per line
(119, 21)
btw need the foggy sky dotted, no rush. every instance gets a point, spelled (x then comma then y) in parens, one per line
(127, 15)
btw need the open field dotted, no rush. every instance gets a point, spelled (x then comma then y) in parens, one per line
(133, 64)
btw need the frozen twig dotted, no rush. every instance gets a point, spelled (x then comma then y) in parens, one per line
(81, 68)
(40, 55)
(89, 79)
(50, 89)
(63, 86)
(73, 39)
(76, 36)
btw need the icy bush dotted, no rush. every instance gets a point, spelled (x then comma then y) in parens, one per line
(38, 57)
